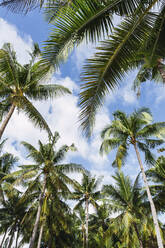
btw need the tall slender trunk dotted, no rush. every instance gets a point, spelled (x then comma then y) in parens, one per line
(40, 235)
(84, 238)
(16, 242)
(2, 194)
(34, 233)
(138, 235)
(3, 239)
(161, 69)
(87, 215)
(11, 239)
(6, 120)
(153, 210)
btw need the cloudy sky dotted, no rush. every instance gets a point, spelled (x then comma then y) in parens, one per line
(62, 113)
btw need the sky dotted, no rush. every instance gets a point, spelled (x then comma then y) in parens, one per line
(62, 113)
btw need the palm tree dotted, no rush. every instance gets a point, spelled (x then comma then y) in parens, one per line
(19, 83)
(57, 221)
(49, 170)
(138, 36)
(26, 6)
(12, 213)
(99, 223)
(87, 193)
(128, 199)
(7, 162)
(80, 222)
(157, 175)
(138, 130)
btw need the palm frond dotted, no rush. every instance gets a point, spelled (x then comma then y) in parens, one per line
(33, 114)
(84, 19)
(149, 157)
(44, 92)
(9, 66)
(122, 153)
(18, 6)
(104, 72)
(154, 129)
(109, 144)
(70, 168)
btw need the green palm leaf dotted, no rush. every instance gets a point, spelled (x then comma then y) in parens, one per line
(33, 114)
(104, 72)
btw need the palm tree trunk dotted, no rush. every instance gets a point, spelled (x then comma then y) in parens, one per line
(40, 235)
(11, 239)
(83, 236)
(153, 210)
(34, 233)
(5, 122)
(4, 236)
(161, 69)
(138, 235)
(2, 194)
(16, 242)
(87, 215)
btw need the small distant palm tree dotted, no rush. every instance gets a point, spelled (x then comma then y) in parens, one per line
(87, 193)
(19, 83)
(138, 130)
(7, 162)
(48, 169)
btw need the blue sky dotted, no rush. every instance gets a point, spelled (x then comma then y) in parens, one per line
(62, 113)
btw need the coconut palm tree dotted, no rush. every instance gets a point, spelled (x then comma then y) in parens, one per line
(86, 193)
(157, 175)
(21, 83)
(80, 223)
(57, 221)
(128, 199)
(139, 35)
(138, 130)
(99, 223)
(48, 169)
(12, 213)
(7, 162)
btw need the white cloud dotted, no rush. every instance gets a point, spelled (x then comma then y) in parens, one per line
(22, 45)
(81, 53)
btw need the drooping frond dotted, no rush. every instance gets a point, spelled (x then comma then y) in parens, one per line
(104, 72)
(155, 129)
(149, 156)
(33, 114)
(109, 144)
(44, 92)
(18, 6)
(70, 168)
(84, 19)
(9, 66)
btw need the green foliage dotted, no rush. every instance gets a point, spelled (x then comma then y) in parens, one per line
(22, 83)
(134, 129)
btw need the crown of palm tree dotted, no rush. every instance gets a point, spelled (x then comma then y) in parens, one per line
(157, 175)
(127, 198)
(86, 190)
(21, 83)
(126, 130)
